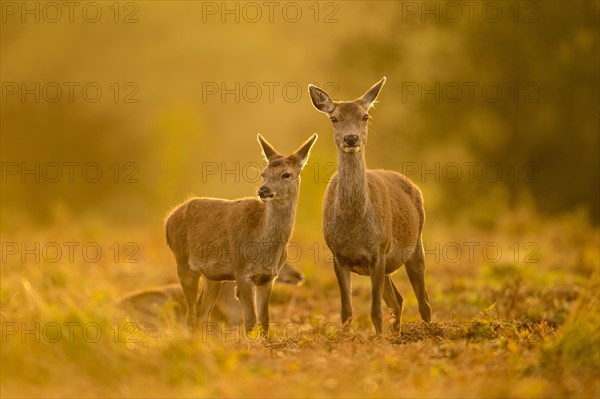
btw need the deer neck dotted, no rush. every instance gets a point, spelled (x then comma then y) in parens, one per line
(279, 221)
(352, 195)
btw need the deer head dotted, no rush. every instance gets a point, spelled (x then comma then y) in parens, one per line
(349, 118)
(282, 174)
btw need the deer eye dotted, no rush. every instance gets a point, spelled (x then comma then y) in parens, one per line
(365, 118)
(286, 175)
(333, 119)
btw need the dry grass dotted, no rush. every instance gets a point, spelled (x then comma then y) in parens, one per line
(499, 330)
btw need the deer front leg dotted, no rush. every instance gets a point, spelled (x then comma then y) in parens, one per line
(263, 294)
(345, 284)
(377, 282)
(245, 294)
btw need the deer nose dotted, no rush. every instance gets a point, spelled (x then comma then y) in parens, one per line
(351, 139)
(263, 191)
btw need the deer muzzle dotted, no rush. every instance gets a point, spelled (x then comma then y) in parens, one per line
(265, 194)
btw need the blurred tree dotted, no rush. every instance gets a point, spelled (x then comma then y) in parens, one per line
(543, 129)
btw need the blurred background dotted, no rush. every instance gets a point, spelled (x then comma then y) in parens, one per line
(113, 113)
(488, 107)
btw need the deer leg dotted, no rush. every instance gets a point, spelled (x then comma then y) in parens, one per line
(394, 300)
(263, 294)
(415, 268)
(245, 293)
(345, 284)
(189, 283)
(207, 300)
(377, 288)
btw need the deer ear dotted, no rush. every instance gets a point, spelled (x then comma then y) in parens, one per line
(302, 152)
(268, 150)
(320, 99)
(371, 95)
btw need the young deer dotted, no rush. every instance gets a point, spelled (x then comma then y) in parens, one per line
(372, 219)
(242, 240)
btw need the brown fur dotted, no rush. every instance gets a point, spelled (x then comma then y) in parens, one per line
(242, 240)
(372, 219)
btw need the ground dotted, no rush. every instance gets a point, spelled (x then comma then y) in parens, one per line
(522, 325)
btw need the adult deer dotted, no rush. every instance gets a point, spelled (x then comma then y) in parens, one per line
(372, 219)
(242, 240)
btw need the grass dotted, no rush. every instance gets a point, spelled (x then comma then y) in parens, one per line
(503, 329)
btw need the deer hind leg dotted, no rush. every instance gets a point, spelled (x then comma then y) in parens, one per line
(207, 299)
(189, 283)
(394, 300)
(377, 290)
(415, 268)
